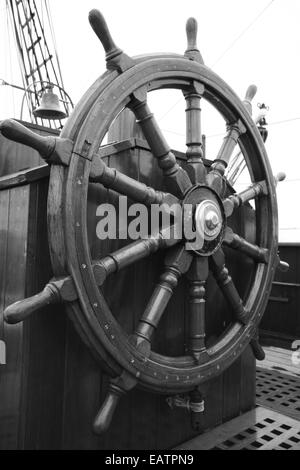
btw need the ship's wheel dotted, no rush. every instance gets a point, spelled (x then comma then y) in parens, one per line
(75, 162)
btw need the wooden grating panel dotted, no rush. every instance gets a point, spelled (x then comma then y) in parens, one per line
(279, 392)
(260, 429)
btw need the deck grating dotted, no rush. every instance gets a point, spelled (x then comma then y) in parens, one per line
(275, 423)
(278, 392)
(278, 382)
(260, 429)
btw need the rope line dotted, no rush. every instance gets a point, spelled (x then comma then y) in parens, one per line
(275, 123)
(243, 33)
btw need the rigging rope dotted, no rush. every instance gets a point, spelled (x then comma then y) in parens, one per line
(10, 26)
(243, 33)
(213, 136)
(49, 16)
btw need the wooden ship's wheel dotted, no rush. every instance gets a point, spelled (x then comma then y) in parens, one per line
(130, 357)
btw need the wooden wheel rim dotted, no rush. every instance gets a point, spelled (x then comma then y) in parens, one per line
(67, 220)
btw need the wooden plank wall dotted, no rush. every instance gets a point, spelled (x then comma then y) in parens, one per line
(282, 316)
(12, 288)
(31, 382)
(51, 387)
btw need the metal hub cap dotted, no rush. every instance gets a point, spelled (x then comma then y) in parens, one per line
(208, 220)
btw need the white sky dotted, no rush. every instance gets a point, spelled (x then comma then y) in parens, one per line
(268, 54)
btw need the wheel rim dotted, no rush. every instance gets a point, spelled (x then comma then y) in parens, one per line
(93, 319)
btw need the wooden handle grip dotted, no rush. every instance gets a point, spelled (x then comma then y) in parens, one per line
(105, 415)
(20, 311)
(281, 176)
(191, 32)
(192, 51)
(250, 94)
(13, 130)
(101, 30)
(257, 350)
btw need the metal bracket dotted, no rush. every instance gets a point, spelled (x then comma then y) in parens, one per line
(185, 402)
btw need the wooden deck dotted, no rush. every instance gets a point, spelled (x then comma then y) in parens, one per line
(275, 423)
(280, 360)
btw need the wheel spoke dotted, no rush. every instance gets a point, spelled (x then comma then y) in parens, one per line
(236, 200)
(196, 168)
(177, 179)
(227, 286)
(132, 253)
(234, 132)
(177, 263)
(197, 276)
(236, 242)
(123, 184)
(215, 177)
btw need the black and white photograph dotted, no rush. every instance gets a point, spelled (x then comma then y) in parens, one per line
(149, 228)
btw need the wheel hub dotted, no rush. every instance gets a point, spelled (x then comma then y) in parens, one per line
(204, 211)
(208, 219)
